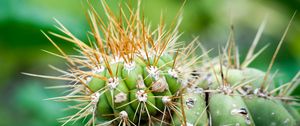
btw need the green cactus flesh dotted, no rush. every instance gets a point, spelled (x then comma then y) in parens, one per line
(195, 108)
(267, 112)
(293, 111)
(229, 110)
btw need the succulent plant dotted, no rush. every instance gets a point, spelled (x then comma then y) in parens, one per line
(129, 74)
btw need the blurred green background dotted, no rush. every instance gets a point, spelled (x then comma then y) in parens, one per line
(21, 41)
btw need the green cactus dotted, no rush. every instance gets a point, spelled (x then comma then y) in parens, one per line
(267, 112)
(131, 75)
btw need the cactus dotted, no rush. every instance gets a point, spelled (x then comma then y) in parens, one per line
(129, 74)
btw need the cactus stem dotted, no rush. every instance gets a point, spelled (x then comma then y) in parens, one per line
(127, 71)
(126, 104)
(201, 115)
(154, 107)
(243, 112)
